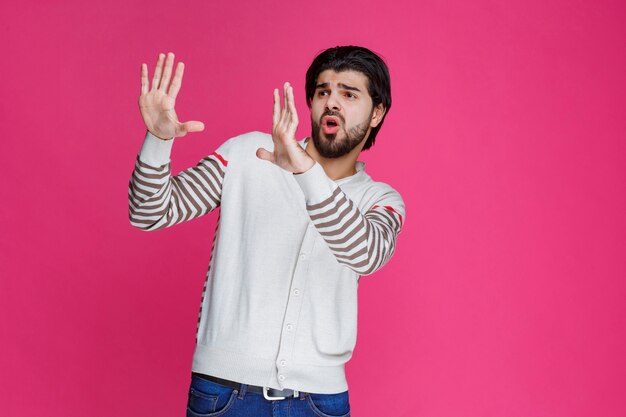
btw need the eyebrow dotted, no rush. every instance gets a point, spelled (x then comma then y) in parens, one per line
(340, 85)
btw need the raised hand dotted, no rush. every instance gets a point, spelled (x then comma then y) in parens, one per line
(288, 154)
(156, 104)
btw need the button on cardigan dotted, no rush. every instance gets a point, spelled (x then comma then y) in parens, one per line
(279, 304)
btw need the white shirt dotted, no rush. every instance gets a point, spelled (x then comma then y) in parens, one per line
(279, 306)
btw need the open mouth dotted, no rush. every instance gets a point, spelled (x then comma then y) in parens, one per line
(330, 125)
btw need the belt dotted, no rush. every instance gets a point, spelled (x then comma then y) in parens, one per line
(268, 393)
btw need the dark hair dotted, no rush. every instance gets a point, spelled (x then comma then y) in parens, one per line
(355, 58)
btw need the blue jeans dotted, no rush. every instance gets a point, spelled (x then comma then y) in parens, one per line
(210, 399)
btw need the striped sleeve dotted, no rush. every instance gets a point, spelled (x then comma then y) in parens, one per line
(157, 200)
(361, 241)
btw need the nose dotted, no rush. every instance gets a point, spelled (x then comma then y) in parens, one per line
(331, 102)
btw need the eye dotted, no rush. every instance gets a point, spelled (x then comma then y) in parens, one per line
(350, 95)
(322, 93)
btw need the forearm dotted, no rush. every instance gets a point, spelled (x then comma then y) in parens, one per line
(157, 199)
(363, 242)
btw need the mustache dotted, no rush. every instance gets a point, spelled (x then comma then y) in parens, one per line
(332, 113)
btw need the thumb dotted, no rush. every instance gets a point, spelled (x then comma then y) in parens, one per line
(264, 154)
(193, 126)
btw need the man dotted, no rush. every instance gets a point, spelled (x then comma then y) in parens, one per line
(299, 223)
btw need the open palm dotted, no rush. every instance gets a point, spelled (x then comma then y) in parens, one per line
(156, 103)
(287, 153)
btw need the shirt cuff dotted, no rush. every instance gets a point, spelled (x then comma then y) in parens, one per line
(155, 151)
(315, 184)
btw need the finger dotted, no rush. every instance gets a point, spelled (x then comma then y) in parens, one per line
(276, 112)
(286, 107)
(144, 79)
(264, 154)
(284, 114)
(292, 107)
(157, 72)
(177, 81)
(167, 72)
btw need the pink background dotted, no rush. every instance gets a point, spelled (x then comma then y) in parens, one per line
(507, 139)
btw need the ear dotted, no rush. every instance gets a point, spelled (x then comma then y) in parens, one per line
(377, 114)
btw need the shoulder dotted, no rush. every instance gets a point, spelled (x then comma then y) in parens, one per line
(249, 139)
(382, 195)
(241, 146)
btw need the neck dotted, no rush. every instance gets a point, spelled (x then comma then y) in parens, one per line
(335, 168)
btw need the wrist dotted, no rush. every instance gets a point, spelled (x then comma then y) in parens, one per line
(307, 166)
(159, 137)
(155, 151)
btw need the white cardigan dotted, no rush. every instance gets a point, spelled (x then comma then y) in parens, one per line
(279, 305)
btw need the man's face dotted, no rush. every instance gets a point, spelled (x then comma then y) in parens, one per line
(342, 114)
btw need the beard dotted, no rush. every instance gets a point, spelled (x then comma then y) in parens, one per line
(332, 147)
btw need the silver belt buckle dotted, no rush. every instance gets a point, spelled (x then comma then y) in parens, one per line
(267, 397)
